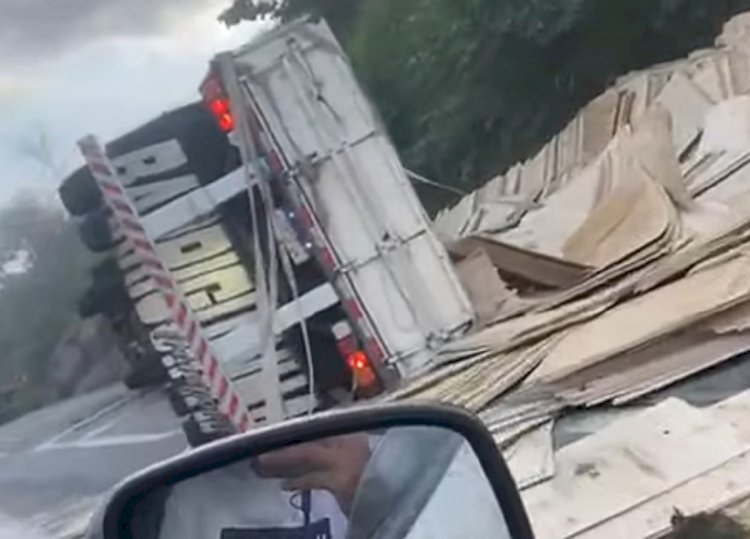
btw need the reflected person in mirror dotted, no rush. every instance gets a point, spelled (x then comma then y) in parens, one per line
(410, 482)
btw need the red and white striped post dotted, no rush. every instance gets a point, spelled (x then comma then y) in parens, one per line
(105, 174)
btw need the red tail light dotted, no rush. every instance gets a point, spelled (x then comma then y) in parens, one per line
(363, 372)
(365, 378)
(218, 103)
(222, 113)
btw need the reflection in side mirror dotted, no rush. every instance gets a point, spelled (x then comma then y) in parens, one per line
(392, 479)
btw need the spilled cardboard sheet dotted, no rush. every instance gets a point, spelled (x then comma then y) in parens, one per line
(491, 380)
(633, 216)
(722, 162)
(711, 77)
(477, 383)
(728, 238)
(736, 33)
(546, 228)
(644, 152)
(648, 317)
(687, 105)
(713, 490)
(531, 458)
(628, 464)
(734, 320)
(649, 147)
(533, 326)
(628, 376)
(487, 292)
(529, 266)
(727, 126)
(735, 410)
(598, 119)
(450, 224)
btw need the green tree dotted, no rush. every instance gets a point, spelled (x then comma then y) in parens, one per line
(340, 14)
(44, 272)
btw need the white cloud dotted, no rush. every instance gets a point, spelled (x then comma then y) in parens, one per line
(105, 86)
(31, 28)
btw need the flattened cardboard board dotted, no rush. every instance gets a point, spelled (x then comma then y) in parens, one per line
(487, 292)
(544, 229)
(650, 146)
(707, 493)
(608, 378)
(531, 458)
(739, 72)
(687, 105)
(452, 222)
(706, 74)
(630, 218)
(734, 320)
(493, 380)
(628, 463)
(648, 317)
(736, 410)
(683, 260)
(669, 370)
(534, 326)
(521, 263)
(712, 491)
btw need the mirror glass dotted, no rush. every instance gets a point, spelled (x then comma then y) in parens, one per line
(404, 482)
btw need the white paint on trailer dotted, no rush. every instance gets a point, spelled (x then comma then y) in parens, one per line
(194, 205)
(365, 204)
(149, 196)
(156, 159)
(243, 340)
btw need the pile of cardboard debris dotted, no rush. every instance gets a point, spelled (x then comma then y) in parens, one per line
(614, 264)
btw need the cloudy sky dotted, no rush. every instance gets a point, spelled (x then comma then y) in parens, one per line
(70, 67)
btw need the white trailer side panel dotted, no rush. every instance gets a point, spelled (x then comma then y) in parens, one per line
(315, 111)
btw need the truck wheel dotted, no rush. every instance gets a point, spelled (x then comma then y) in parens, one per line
(79, 193)
(144, 376)
(179, 407)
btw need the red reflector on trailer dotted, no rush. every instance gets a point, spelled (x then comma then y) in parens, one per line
(219, 106)
(223, 114)
(360, 365)
(216, 99)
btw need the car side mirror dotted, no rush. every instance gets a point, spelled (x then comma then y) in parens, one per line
(403, 471)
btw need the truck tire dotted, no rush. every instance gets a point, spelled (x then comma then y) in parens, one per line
(95, 231)
(104, 298)
(178, 404)
(79, 193)
(144, 376)
(184, 403)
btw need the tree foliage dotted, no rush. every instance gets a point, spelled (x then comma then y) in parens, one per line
(45, 269)
(468, 87)
(340, 14)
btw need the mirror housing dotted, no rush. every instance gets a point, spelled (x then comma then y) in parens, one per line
(114, 521)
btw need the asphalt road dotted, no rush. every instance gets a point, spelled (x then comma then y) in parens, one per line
(56, 464)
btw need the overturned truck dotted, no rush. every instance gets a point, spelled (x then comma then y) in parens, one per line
(356, 292)
(180, 153)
